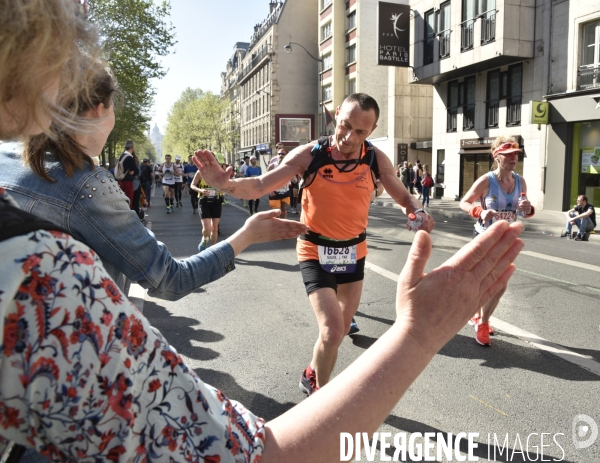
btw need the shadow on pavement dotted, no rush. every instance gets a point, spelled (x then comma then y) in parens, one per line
(179, 332)
(268, 264)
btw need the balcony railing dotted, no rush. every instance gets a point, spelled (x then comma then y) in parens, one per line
(469, 117)
(588, 77)
(451, 120)
(444, 38)
(466, 36)
(491, 116)
(488, 27)
(513, 111)
(254, 61)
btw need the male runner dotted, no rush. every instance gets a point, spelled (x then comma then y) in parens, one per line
(168, 172)
(178, 181)
(332, 254)
(188, 172)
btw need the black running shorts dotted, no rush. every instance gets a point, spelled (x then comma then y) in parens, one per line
(172, 187)
(210, 209)
(315, 277)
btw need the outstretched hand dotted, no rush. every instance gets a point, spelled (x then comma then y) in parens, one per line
(263, 227)
(438, 304)
(211, 170)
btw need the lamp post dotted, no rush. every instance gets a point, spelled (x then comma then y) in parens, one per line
(288, 49)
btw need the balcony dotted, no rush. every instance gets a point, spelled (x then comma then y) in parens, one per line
(491, 113)
(253, 63)
(588, 77)
(513, 111)
(451, 120)
(469, 117)
(495, 38)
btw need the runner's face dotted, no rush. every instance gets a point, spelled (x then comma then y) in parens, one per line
(507, 161)
(353, 127)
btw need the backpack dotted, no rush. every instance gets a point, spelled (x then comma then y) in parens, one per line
(120, 171)
(321, 158)
(428, 182)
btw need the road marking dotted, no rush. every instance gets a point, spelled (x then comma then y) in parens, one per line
(488, 405)
(580, 360)
(560, 260)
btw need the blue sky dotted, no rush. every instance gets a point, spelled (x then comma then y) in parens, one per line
(206, 32)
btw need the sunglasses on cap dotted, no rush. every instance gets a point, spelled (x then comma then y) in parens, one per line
(508, 147)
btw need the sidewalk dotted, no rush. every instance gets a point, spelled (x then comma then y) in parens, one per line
(544, 222)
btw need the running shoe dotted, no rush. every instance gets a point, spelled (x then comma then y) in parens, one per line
(308, 381)
(168, 209)
(475, 321)
(203, 245)
(578, 237)
(483, 334)
(353, 328)
(180, 204)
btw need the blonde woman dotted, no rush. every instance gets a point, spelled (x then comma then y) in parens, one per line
(499, 192)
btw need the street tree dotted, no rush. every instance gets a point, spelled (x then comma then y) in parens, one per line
(135, 34)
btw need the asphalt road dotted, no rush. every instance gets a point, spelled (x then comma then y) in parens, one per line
(251, 334)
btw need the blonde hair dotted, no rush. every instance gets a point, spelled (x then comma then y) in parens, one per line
(496, 143)
(41, 43)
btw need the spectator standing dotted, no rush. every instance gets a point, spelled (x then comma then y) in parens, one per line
(426, 185)
(131, 167)
(405, 175)
(411, 178)
(146, 178)
(253, 171)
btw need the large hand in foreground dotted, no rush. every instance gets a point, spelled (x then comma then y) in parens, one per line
(264, 227)
(438, 304)
(211, 170)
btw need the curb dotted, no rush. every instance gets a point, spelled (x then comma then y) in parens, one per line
(552, 230)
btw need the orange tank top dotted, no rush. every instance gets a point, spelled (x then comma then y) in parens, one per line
(336, 205)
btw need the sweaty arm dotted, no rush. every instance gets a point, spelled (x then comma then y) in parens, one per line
(296, 162)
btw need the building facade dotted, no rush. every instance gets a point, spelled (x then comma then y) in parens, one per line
(348, 46)
(491, 63)
(230, 92)
(278, 84)
(156, 139)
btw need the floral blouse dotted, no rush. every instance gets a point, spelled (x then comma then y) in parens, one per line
(84, 376)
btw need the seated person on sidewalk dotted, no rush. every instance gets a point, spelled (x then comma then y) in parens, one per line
(584, 216)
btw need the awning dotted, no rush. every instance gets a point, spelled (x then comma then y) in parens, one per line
(464, 151)
(421, 145)
(246, 150)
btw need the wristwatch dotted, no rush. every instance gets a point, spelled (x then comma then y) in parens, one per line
(419, 210)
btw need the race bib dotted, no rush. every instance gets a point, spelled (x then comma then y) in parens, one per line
(509, 216)
(338, 260)
(210, 193)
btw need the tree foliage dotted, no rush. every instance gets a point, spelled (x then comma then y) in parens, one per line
(135, 33)
(195, 122)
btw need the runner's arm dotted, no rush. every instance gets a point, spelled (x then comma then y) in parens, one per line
(479, 189)
(296, 162)
(398, 192)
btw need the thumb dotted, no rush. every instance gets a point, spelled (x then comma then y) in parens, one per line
(415, 262)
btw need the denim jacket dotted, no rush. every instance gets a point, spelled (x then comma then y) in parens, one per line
(92, 207)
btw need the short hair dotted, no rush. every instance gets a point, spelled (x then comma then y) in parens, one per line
(128, 145)
(246, 157)
(167, 155)
(584, 197)
(365, 102)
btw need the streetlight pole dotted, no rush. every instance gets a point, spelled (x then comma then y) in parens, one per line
(288, 49)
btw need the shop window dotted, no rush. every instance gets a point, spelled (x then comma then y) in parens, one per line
(585, 162)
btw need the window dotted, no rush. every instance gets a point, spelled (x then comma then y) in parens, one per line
(443, 16)
(589, 70)
(493, 98)
(327, 61)
(452, 106)
(351, 22)
(487, 12)
(513, 95)
(326, 31)
(325, 3)
(469, 15)
(351, 55)
(429, 37)
(326, 92)
(467, 99)
(351, 87)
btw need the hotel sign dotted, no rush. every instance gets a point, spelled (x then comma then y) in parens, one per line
(483, 142)
(393, 34)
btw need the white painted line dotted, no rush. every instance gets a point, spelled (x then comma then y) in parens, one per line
(582, 361)
(560, 260)
(238, 207)
(137, 296)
